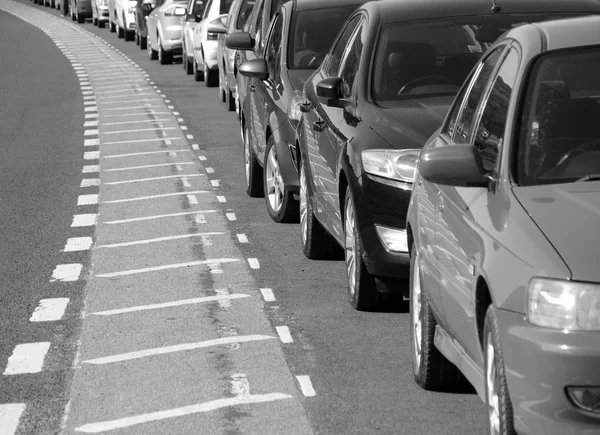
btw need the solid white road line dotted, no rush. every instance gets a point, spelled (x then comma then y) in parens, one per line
(66, 272)
(158, 239)
(137, 122)
(75, 244)
(177, 348)
(159, 216)
(253, 262)
(128, 115)
(167, 267)
(105, 426)
(90, 199)
(268, 295)
(84, 220)
(27, 358)
(115, 156)
(306, 386)
(158, 139)
(140, 129)
(171, 304)
(142, 198)
(139, 180)
(10, 414)
(125, 96)
(242, 238)
(50, 310)
(284, 334)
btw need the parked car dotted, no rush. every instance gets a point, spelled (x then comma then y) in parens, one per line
(505, 284)
(204, 41)
(236, 19)
(164, 30)
(194, 15)
(293, 50)
(80, 10)
(122, 18)
(143, 8)
(100, 13)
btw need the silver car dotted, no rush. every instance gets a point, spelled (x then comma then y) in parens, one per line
(164, 30)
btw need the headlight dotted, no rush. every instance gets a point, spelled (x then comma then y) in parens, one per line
(294, 113)
(558, 304)
(395, 164)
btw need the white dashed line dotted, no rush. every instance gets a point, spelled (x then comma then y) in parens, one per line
(231, 216)
(239, 385)
(27, 358)
(268, 295)
(202, 158)
(84, 220)
(221, 198)
(90, 182)
(140, 129)
(91, 115)
(200, 218)
(66, 272)
(189, 136)
(90, 109)
(93, 132)
(195, 147)
(140, 180)
(50, 310)
(89, 169)
(166, 267)
(242, 238)
(90, 124)
(192, 199)
(253, 262)
(215, 183)
(10, 414)
(75, 244)
(91, 155)
(158, 139)
(87, 199)
(306, 386)
(284, 334)
(209, 170)
(146, 166)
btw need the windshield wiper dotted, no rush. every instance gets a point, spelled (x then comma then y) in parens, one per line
(588, 177)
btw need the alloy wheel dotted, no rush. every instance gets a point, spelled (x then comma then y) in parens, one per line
(350, 245)
(416, 314)
(303, 205)
(274, 182)
(493, 384)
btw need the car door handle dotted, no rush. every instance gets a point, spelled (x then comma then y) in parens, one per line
(319, 125)
(252, 88)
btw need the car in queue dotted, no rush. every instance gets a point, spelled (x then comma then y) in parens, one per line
(204, 41)
(143, 8)
(100, 13)
(383, 90)
(80, 10)
(236, 19)
(505, 284)
(121, 18)
(164, 30)
(293, 50)
(195, 9)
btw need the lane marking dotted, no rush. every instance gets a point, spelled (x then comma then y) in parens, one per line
(145, 106)
(196, 147)
(242, 238)
(91, 115)
(90, 182)
(209, 170)
(157, 239)
(90, 108)
(284, 334)
(143, 198)
(253, 262)
(75, 244)
(147, 166)
(215, 183)
(192, 199)
(91, 142)
(126, 115)
(27, 358)
(179, 303)
(91, 155)
(200, 219)
(93, 132)
(84, 220)
(166, 267)
(239, 385)
(126, 96)
(89, 169)
(202, 158)
(141, 100)
(160, 216)
(306, 385)
(90, 199)
(221, 198)
(137, 122)
(231, 216)
(105, 426)
(90, 124)
(158, 139)
(140, 129)
(268, 295)
(176, 348)
(66, 272)
(140, 180)
(50, 310)
(185, 182)
(115, 156)
(10, 415)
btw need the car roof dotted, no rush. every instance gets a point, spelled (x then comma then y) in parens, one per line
(301, 5)
(559, 34)
(409, 10)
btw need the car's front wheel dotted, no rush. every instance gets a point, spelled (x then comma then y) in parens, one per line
(497, 399)
(100, 24)
(112, 27)
(281, 205)
(143, 42)
(254, 173)
(164, 57)
(211, 77)
(198, 74)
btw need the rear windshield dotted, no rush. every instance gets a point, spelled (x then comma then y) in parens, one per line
(312, 34)
(434, 57)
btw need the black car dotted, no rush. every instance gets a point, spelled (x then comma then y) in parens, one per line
(384, 88)
(143, 8)
(294, 49)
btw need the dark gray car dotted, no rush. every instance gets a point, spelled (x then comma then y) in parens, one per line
(505, 276)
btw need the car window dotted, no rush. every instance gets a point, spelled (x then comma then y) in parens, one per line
(332, 66)
(207, 10)
(560, 124)
(224, 6)
(198, 7)
(455, 110)
(273, 48)
(244, 13)
(350, 63)
(255, 25)
(275, 5)
(490, 131)
(466, 118)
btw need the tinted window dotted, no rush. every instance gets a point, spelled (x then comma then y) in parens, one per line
(454, 111)
(273, 48)
(198, 8)
(224, 7)
(207, 10)
(275, 5)
(333, 64)
(490, 132)
(244, 14)
(350, 64)
(560, 127)
(307, 47)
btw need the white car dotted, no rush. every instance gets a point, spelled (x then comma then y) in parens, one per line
(100, 12)
(121, 18)
(194, 16)
(164, 30)
(205, 63)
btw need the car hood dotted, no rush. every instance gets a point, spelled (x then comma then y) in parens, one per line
(568, 215)
(298, 77)
(407, 123)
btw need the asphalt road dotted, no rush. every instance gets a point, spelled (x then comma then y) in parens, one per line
(359, 363)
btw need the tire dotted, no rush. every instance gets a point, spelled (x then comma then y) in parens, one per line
(187, 65)
(229, 101)
(198, 75)
(95, 21)
(73, 17)
(101, 24)
(112, 26)
(222, 95)
(497, 398)
(211, 77)
(362, 288)
(164, 57)
(431, 369)
(136, 37)
(80, 19)
(152, 54)
(281, 205)
(143, 42)
(129, 35)
(254, 173)
(317, 244)
(120, 32)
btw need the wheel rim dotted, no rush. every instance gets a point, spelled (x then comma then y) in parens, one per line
(492, 382)
(274, 182)
(303, 206)
(416, 312)
(350, 246)
(247, 157)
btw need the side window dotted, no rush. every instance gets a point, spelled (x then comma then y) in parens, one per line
(490, 131)
(244, 13)
(207, 10)
(273, 48)
(225, 6)
(275, 5)
(351, 63)
(256, 24)
(332, 66)
(198, 8)
(455, 109)
(464, 125)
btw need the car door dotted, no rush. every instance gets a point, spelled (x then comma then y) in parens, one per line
(236, 24)
(243, 83)
(464, 217)
(151, 23)
(198, 33)
(195, 10)
(318, 152)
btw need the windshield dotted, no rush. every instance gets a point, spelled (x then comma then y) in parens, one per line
(434, 57)
(560, 131)
(312, 34)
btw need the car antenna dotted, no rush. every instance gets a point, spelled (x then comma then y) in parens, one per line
(495, 7)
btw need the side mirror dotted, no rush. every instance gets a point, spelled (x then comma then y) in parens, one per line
(330, 88)
(179, 12)
(453, 165)
(239, 41)
(255, 68)
(216, 26)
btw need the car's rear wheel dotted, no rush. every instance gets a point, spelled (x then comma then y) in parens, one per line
(431, 369)
(229, 100)
(129, 35)
(80, 19)
(222, 95)
(187, 65)
(152, 54)
(211, 77)
(198, 75)
(95, 21)
(254, 173)
(497, 399)
(281, 205)
(362, 288)
(120, 32)
(164, 57)
(100, 24)
(112, 27)
(143, 42)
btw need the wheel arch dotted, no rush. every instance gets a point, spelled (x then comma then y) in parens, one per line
(483, 299)
(342, 186)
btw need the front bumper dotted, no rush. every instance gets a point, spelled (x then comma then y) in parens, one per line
(540, 364)
(173, 45)
(210, 54)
